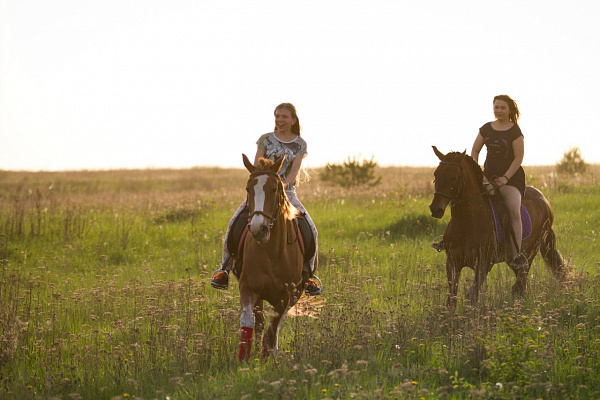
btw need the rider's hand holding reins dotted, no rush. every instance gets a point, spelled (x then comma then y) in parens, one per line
(501, 181)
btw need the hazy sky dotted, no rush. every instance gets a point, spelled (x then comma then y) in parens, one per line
(102, 84)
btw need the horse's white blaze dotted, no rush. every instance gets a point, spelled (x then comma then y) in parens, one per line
(259, 203)
(247, 317)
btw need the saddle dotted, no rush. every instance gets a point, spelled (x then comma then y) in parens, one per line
(502, 224)
(239, 230)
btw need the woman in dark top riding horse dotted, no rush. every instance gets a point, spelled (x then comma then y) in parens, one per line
(505, 149)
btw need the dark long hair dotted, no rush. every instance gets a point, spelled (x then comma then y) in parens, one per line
(290, 107)
(513, 110)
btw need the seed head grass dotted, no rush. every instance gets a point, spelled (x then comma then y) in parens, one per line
(104, 291)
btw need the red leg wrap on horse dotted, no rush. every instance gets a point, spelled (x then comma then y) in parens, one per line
(245, 343)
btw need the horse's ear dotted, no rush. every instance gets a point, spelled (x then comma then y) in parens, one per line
(249, 166)
(464, 153)
(277, 166)
(438, 153)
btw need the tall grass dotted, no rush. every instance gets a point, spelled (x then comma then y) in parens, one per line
(104, 292)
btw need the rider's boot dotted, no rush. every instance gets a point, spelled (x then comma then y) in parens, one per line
(220, 278)
(313, 288)
(519, 262)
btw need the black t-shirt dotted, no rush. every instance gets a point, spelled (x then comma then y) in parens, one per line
(499, 148)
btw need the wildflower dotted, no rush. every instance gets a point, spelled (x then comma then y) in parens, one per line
(324, 390)
(414, 382)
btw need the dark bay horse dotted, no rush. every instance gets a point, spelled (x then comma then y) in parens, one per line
(470, 238)
(272, 258)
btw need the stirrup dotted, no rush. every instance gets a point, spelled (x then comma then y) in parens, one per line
(519, 262)
(314, 290)
(438, 246)
(219, 284)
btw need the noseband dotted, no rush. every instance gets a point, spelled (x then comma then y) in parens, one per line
(458, 187)
(272, 218)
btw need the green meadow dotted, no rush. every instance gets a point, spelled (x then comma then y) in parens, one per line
(104, 293)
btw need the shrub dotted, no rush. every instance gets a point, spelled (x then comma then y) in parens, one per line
(352, 173)
(572, 162)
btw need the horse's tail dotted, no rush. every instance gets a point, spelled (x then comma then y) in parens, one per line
(552, 257)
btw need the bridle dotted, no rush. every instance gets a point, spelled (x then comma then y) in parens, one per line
(461, 182)
(272, 218)
(454, 200)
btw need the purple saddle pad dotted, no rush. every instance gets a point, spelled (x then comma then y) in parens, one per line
(525, 220)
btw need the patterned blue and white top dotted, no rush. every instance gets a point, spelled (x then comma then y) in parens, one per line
(275, 148)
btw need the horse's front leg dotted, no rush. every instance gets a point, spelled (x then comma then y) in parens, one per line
(259, 318)
(453, 270)
(271, 336)
(481, 268)
(247, 323)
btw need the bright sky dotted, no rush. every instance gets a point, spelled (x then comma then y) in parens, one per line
(103, 84)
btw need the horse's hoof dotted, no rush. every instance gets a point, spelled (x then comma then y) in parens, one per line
(519, 292)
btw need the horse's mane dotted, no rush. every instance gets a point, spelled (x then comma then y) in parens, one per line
(287, 209)
(473, 166)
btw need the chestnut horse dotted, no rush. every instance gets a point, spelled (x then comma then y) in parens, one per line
(470, 238)
(272, 258)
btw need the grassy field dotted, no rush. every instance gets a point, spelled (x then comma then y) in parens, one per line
(104, 294)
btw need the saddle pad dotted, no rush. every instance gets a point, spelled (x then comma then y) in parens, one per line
(239, 229)
(498, 205)
(307, 237)
(237, 233)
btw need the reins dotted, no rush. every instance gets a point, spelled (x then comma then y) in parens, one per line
(454, 200)
(460, 175)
